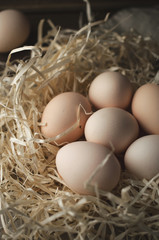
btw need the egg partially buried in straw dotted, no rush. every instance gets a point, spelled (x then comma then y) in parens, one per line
(84, 165)
(64, 117)
(110, 89)
(14, 29)
(142, 157)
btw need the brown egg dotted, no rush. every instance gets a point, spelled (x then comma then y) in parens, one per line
(145, 107)
(110, 89)
(14, 29)
(65, 116)
(112, 127)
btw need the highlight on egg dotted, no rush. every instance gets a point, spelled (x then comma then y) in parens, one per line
(110, 89)
(113, 127)
(85, 166)
(64, 117)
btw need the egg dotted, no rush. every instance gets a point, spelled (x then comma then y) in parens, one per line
(112, 127)
(145, 107)
(82, 162)
(64, 117)
(14, 29)
(142, 157)
(110, 89)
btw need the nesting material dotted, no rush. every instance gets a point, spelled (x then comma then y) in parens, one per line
(34, 202)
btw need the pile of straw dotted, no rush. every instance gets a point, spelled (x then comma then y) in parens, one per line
(34, 202)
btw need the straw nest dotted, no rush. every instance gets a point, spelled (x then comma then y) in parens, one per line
(34, 202)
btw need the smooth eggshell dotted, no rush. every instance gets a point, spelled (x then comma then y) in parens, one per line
(14, 29)
(110, 89)
(145, 107)
(77, 161)
(112, 127)
(60, 115)
(142, 157)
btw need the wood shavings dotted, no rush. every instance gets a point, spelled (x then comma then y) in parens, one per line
(34, 201)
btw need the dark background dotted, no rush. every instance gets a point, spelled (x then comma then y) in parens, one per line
(66, 13)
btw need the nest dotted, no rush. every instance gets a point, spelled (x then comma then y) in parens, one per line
(34, 202)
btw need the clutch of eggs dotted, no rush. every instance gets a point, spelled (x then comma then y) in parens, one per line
(110, 130)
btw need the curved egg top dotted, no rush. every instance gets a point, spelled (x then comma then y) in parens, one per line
(110, 89)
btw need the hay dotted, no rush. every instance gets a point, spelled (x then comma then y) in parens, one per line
(34, 202)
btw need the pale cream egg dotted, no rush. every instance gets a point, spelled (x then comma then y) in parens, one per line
(145, 107)
(142, 157)
(113, 127)
(85, 166)
(110, 89)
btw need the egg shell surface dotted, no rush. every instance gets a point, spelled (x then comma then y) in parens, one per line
(112, 127)
(77, 161)
(145, 107)
(64, 117)
(14, 29)
(110, 89)
(142, 157)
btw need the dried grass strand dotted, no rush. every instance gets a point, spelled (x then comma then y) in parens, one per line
(34, 202)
